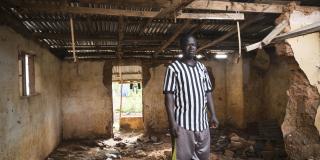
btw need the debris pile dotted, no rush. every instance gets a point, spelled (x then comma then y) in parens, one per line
(261, 141)
(266, 143)
(129, 147)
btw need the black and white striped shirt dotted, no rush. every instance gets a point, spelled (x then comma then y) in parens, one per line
(189, 85)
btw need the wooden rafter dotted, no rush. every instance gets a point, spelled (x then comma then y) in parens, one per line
(243, 7)
(111, 37)
(166, 43)
(73, 40)
(116, 12)
(120, 37)
(229, 34)
(176, 6)
(278, 29)
(216, 16)
(148, 47)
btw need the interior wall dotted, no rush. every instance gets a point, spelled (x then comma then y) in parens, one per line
(234, 93)
(252, 87)
(86, 102)
(87, 96)
(265, 89)
(276, 83)
(154, 113)
(217, 69)
(30, 127)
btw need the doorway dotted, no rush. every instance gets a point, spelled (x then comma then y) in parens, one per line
(127, 98)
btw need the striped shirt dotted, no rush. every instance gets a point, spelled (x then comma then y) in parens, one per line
(189, 85)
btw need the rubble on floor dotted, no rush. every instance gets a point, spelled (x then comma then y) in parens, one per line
(226, 144)
(129, 146)
(261, 140)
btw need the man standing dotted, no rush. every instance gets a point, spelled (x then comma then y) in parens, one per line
(187, 88)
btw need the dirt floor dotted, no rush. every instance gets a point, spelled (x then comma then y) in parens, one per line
(225, 145)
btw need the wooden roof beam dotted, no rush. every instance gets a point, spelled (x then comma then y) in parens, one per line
(174, 7)
(244, 7)
(119, 12)
(113, 37)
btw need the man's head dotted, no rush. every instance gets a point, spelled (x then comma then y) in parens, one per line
(188, 44)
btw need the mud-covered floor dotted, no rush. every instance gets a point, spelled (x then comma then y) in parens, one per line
(226, 144)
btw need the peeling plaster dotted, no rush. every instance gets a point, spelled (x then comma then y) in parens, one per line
(306, 50)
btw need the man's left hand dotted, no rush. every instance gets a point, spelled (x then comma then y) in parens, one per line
(214, 123)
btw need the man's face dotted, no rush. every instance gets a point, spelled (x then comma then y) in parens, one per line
(189, 48)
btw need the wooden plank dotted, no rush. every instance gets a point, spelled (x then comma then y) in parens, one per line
(73, 41)
(164, 12)
(176, 6)
(117, 12)
(229, 34)
(173, 37)
(243, 7)
(278, 29)
(253, 46)
(210, 16)
(312, 28)
(86, 10)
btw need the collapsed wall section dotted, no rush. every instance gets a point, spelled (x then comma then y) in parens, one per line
(300, 122)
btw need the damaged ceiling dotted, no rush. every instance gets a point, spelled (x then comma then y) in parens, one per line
(139, 28)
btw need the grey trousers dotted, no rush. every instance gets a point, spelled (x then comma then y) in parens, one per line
(190, 145)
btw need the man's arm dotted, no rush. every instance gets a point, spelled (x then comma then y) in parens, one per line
(169, 102)
(214, 123)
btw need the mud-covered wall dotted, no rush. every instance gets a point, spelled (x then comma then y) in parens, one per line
(217, 69)
(86, 100)
(265, 89)
(87, 96)
(276, 83)
(234, 93)
(155, 117)
(253, 82)
(30, 127)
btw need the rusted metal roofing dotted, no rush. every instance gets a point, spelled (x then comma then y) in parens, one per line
(97, 36)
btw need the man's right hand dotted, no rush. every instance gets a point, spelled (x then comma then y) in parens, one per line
(174, 130)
